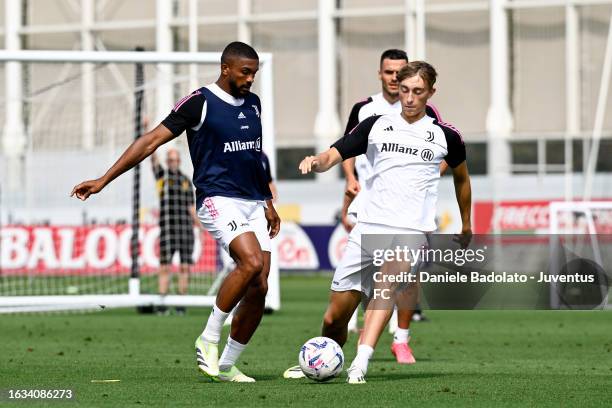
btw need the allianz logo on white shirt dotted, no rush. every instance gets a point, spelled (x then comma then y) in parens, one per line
(426, 154)
(237, 145)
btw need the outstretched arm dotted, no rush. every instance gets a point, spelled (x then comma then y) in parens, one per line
(134, 154)
(321, 162)
(350, 145)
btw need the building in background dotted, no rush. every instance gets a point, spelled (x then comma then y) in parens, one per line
(526, 74)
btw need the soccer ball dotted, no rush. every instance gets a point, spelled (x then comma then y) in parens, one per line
(321, 359)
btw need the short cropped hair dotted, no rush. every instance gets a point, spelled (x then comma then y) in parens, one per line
(238, 49)
(393, 54)
(421, 68)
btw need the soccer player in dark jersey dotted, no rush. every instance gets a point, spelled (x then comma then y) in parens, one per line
(177, 216)
(223, 126)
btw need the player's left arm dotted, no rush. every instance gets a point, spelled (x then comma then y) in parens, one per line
(463, 192)
(432, 110)
(191, 205)
(273, 219)
(273, 190)
(194, 217)
(456, 160)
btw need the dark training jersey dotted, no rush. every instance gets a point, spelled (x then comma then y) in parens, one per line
(224, 137)
(175, 198)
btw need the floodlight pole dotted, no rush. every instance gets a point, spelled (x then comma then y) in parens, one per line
(244, 13)
(193, 43)
(499, 118)
(87, 77)
(13, 139)
(572, 97)
(327, 122)
(599, 117)
(163, 43)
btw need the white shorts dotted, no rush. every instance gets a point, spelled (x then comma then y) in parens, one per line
(225, 218)
(352, 272)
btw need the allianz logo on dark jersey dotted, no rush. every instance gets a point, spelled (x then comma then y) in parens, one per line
(238, 146)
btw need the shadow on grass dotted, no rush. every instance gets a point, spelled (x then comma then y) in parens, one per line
(418, 359)
(381, 377)
(387, 376)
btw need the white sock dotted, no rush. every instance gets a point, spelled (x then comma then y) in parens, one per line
(401, 336)
(212, 331)
(231, 352)
(364, 353)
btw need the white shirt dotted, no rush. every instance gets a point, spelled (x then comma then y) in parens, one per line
(402, 190)
(374, 105)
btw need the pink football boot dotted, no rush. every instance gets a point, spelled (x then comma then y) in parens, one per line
(402, 353)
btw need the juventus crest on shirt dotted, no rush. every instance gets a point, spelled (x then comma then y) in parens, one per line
(405, 158)
(225, 136)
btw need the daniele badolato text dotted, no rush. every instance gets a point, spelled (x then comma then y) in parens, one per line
(480, 277)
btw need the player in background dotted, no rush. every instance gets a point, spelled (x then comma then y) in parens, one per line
(223, 126)
(266, 165)
(358, 168)
(177, 216)
(405, 151)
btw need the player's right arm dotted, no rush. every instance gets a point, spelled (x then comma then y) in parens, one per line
(344, 219)
(140, 149)
(187, 113)
(350, 145)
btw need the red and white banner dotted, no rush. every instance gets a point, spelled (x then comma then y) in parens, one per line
(525, 217)
(511, 216)
(89, 250)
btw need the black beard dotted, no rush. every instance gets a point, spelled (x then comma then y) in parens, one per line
(235, 90)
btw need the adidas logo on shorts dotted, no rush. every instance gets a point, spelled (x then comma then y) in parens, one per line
(241, 116)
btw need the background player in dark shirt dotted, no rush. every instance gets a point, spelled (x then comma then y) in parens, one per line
(177, 217)
(266, 165)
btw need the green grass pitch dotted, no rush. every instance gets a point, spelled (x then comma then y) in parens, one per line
(464, 358)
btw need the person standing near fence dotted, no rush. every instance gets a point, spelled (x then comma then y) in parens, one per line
(177, 216)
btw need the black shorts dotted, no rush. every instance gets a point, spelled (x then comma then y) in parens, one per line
(173, 240)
